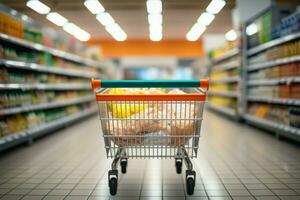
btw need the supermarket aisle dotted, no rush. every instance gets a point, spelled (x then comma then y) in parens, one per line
(235, 162)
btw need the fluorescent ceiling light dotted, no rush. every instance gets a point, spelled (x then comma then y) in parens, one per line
(155, 18)
(71, 28)
(155, 37)
(94, 6)
(195, 32)
(120, 36)
(155, 28)
(251, 29)
(215, 6)
(76, 32)
(116, 31)
(57, 19)
(38, 6)
(205, 18)
(105, 18)
(82, 35)
(113, 28)
(231, 35)
(154, 6)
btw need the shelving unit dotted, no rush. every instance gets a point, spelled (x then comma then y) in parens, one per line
(281, 127)
(29, 134)
(274, 81)
(278, 128)
(41, 86)
(227, 111)
(225, 65)
(28, 108)
(22, 75)
(54, 52)
(43, 68)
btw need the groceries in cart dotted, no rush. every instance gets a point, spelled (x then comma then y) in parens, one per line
(151, 119)
(150, 123)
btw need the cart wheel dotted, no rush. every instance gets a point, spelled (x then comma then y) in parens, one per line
(190, 181)
(113, 186)
(178, 164)
(123, 164)
(190, 184)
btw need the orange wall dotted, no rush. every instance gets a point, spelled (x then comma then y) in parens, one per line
(179, 48)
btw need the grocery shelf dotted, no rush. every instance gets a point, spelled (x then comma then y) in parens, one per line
(27, 135)
(293, 102)
(274, 81)
(227, 66)
(225, 110)
(44, 68)
(55, 52)
(27, 108)
(41, 86)
(280, 129)
(231, 79)
(276, 62)
(224, 93)
(227, 55)
(272, 43)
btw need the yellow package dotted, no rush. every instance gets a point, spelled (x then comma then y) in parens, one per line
(124, 110)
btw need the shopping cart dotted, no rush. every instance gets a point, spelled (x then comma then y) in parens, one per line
(165, 125)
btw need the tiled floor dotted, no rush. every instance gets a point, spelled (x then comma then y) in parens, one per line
(235, 162)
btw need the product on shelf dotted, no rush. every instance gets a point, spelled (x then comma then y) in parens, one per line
(286, 115)
(226, 87)
(285, 50)
(33, 35)
(21, 98)
(25, 76)
(294, 114)
(11, 25)
(266, 24)
(287, 25)
(217, 75)
(10, 52)
(223, 101)
(281, 71)
(27, 121)
(221, 51)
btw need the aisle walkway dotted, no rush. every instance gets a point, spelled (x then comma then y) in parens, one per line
(235, 162)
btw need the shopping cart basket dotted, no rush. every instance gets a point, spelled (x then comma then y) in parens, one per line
(165, 125)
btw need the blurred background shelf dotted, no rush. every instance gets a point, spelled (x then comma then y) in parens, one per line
(272, 73)
(29, 134)
(227, 66)
(227, 55)
(273, 43)
(278, 128)
(224, 93)
(222, 109)
(46, 69)
(60, 103)
(275, 81)
(55, 52)
(276, 62)
(295, 102)
(41, 86)
(232, 79)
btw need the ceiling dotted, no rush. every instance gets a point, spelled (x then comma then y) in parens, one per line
(178, 16)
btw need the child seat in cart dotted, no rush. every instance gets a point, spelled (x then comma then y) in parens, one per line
(151, 119)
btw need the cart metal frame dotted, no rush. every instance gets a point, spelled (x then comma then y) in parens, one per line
(180, 115)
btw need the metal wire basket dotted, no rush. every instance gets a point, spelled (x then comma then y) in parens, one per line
(151, 125)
